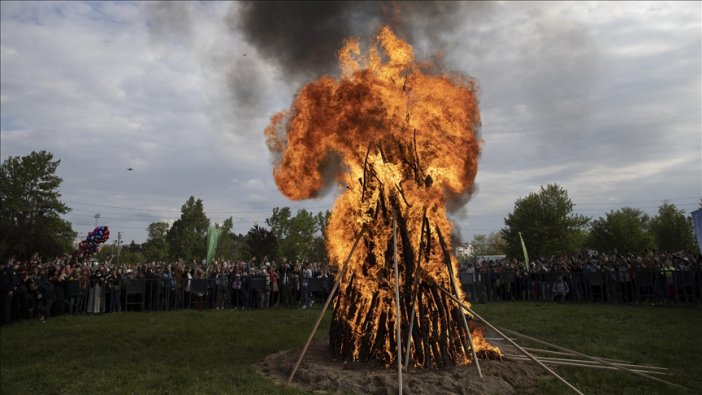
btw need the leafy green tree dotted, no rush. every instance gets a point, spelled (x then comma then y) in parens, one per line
(319, 245)
(30, 208)
(491, 244)
(240, 250)
(187, 238)
(624, 230)
(134, 247)
(261, 242)
(279, 222)
(479, 244)
(672, 230)
(296, 234)
(496, 244)
(109, 252)
(156, 245)
(547, 223)
(299, 242)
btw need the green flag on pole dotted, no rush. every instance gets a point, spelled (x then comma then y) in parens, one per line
(524, 251)
(213, 234)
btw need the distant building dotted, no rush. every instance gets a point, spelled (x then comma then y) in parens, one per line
(464, 250)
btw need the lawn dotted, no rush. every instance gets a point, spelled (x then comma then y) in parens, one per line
(213, 351)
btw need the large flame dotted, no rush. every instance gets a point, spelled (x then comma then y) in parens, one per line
(407, 142)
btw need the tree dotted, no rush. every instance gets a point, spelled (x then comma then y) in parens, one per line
(134, 247)
(126, 256)
(319, 244)
(30, 208)
(187, 238)
(496, 244)
(261, 242)
(479, 244)
(279, 222)
(296, 235)
(492, 244)
(624, 230)
(156, 246)
(672, 230)
(547, 223)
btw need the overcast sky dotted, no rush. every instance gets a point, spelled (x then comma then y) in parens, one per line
(600, 98)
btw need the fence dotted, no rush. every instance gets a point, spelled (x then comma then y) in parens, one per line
(655, 287)
(164, 294)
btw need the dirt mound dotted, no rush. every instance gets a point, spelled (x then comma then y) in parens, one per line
(319, 372)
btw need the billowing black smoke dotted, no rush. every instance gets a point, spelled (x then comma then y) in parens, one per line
(302, 38)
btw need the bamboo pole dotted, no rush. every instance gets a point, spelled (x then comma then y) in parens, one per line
(590, 357)
(337, 280)
(589, 362)
(584, 365)
(525, 352)
(398, 328)
(541, 350)
(409, 338)
(415, 285)
(463, 316)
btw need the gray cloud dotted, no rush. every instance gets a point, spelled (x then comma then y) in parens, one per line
(169, 21)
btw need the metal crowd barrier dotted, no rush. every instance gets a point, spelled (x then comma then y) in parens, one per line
(639, 286)
(100, 296)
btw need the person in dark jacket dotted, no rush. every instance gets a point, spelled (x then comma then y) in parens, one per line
(44, 295)
(7, 290)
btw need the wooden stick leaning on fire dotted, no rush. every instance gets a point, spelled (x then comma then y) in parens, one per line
(589, 364)
(538, 360)
(600, 360)
(337, 280)
(462, 305)
(397, 305)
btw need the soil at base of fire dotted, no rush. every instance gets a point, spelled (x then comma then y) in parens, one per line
(320, 373)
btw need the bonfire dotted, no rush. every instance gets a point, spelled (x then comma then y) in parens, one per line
(400, 138)
(402, 141)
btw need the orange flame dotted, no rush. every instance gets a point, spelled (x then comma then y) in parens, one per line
(407, 141)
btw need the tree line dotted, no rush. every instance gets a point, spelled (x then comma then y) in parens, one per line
(549, 227)
(31, 209)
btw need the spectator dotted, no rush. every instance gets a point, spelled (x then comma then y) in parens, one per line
(237, 286)
(43, 293)
(304, 286)
(287, 285)
(560, 289)
(7, 291)
(222, 285)
(275, 287)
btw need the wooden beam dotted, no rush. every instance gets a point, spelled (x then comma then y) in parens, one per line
(337, 280)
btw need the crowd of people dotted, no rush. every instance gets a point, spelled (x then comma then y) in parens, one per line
(39, 289)
(658, 278)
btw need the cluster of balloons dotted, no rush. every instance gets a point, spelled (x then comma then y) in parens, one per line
(91, 244)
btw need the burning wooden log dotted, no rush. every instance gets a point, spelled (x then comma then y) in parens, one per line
(364, 318)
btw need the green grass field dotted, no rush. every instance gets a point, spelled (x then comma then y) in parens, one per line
(198, 352)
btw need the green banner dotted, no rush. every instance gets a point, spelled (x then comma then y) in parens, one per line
(212, 240)
(524, 251)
